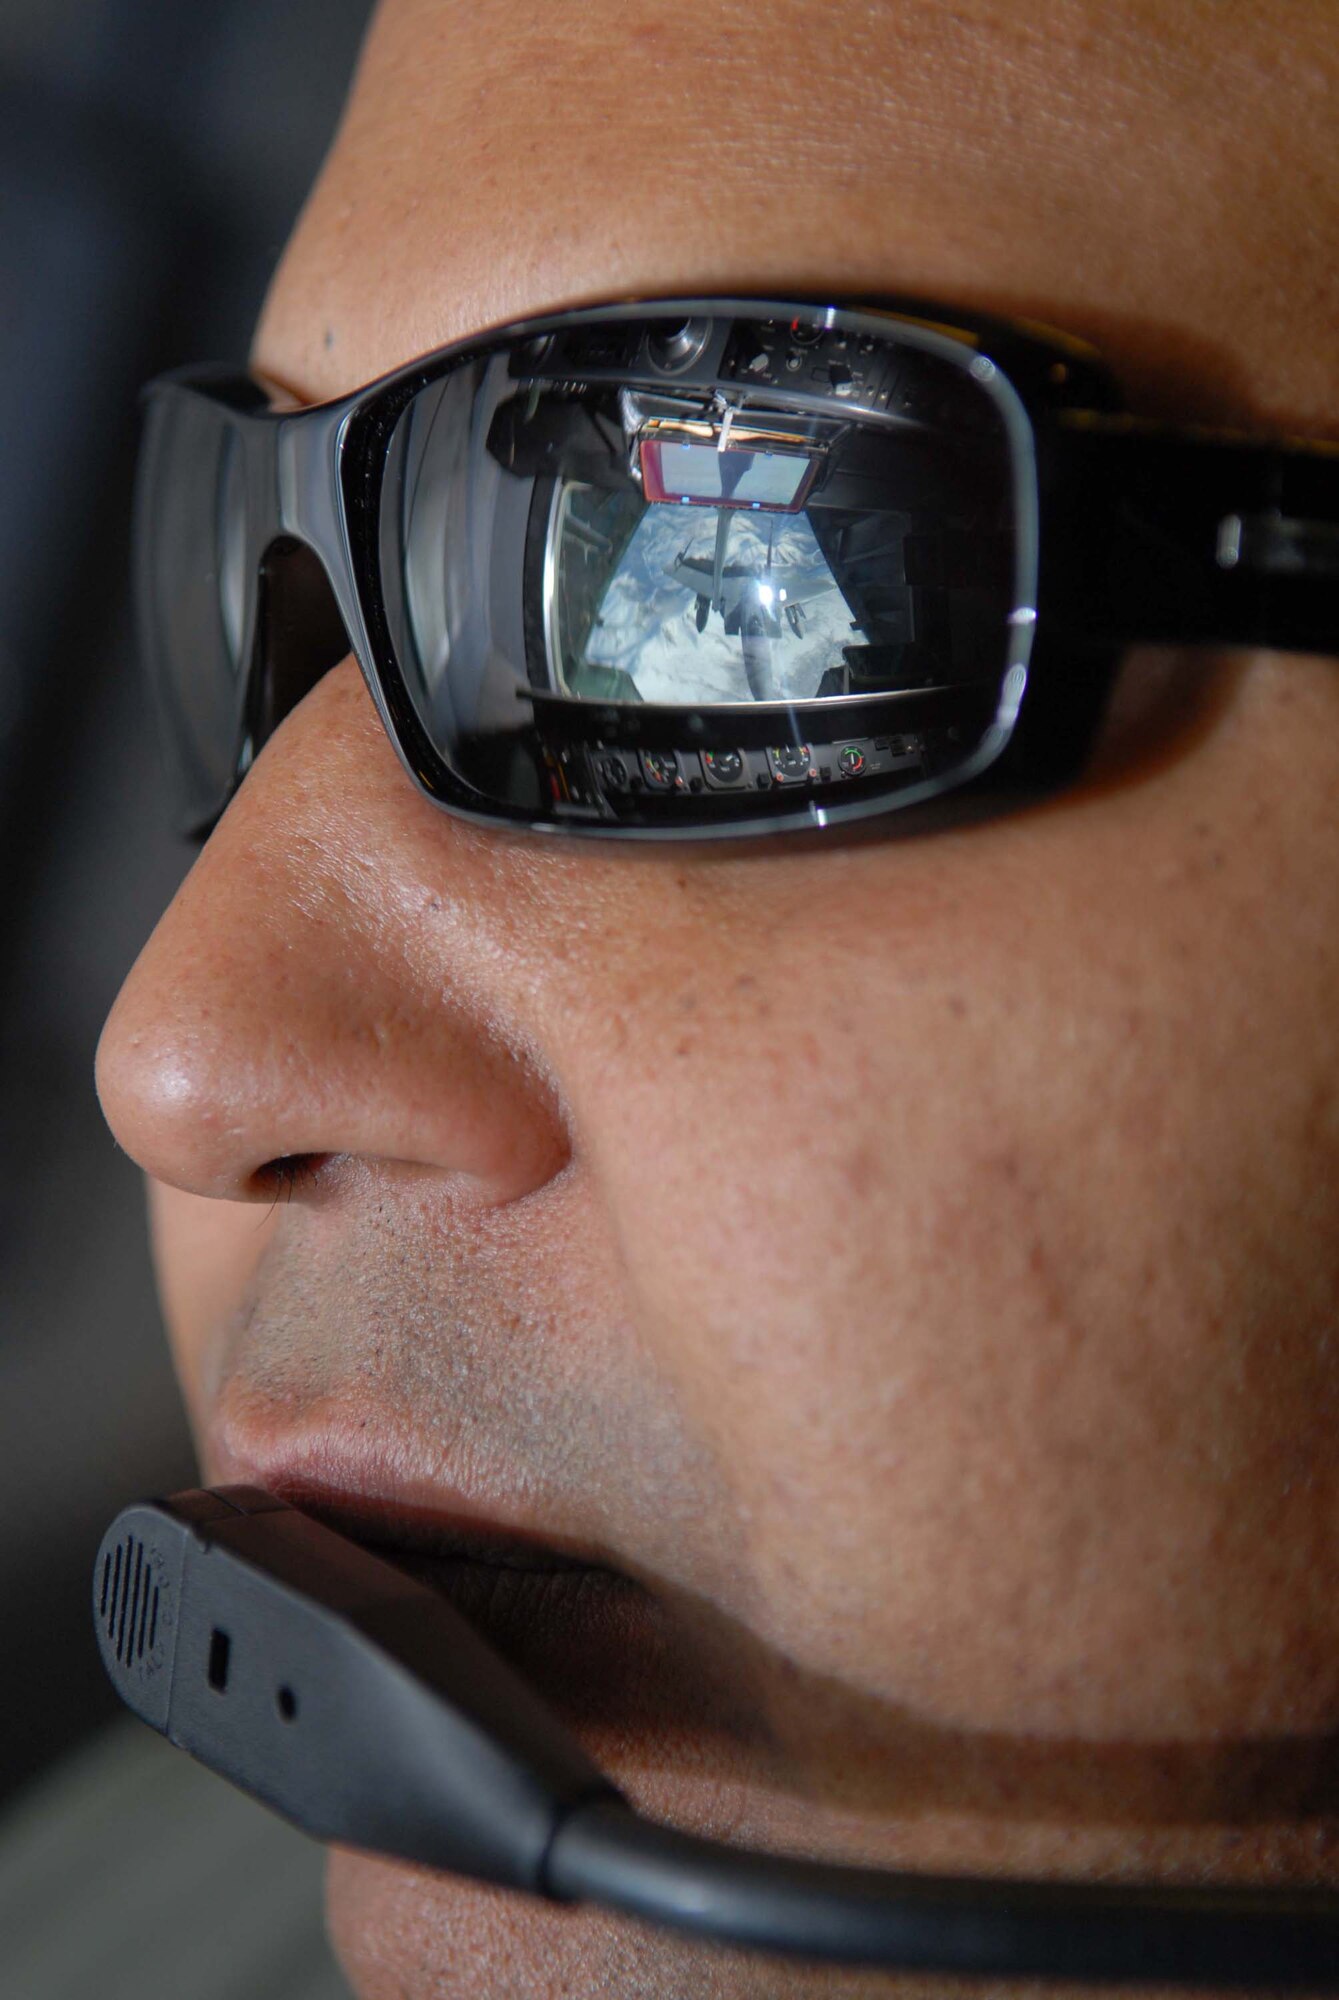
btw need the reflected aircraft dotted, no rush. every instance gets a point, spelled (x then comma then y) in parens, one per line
(751, 602)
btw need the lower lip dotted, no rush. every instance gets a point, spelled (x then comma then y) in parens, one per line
(594, 1644)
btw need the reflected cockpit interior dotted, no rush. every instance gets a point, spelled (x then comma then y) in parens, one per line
(654, 557)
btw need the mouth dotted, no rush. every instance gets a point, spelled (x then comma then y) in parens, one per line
(618, 1660)
(578, 1626)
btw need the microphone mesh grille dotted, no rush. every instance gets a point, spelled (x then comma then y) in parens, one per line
(128, 1599)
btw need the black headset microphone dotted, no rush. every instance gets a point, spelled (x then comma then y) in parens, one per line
(360, 1705)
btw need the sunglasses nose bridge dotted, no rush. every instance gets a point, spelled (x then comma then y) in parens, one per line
(280, 563)
(305, 469)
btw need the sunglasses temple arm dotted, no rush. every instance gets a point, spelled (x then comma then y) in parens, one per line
(1161, 536)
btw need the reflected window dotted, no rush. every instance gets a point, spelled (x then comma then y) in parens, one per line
(719, 604)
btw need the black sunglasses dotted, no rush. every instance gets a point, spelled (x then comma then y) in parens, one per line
(698, 567)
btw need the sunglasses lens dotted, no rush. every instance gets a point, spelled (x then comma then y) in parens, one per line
(696, 570)
(195, 593)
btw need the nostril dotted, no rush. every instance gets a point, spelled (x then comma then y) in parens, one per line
(281, 1179)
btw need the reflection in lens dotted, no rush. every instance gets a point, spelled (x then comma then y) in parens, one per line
(618, 594)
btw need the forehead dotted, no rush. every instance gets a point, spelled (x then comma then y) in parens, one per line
(1074, 164)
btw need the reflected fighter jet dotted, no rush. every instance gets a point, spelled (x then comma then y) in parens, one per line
(751, 601)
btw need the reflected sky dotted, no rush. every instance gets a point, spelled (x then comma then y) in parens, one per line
(647, 620)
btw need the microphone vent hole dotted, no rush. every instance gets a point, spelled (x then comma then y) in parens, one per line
(287, 1704)
(220, 1645)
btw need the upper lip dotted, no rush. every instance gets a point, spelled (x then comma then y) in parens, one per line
(368, 1473)
(390, 1527)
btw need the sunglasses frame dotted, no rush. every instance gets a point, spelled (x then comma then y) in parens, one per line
(1128, 532)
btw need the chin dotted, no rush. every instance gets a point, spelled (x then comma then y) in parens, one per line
(403, 1933)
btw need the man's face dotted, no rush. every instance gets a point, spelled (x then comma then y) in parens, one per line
(902, 1274)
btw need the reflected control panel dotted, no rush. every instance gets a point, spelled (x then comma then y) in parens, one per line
(598, 776)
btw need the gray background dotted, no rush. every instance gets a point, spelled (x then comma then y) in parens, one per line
(153, 154)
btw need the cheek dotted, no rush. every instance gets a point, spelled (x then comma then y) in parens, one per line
(205, 1255)
(1000, 1282)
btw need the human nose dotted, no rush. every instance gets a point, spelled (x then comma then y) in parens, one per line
(325, 984)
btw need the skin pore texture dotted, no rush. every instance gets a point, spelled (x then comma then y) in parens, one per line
(914, 1262)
